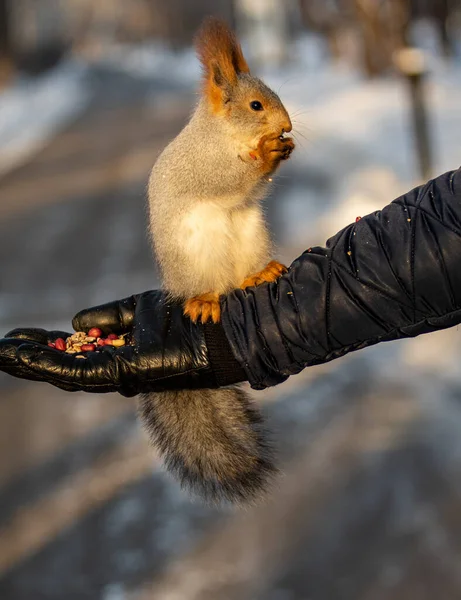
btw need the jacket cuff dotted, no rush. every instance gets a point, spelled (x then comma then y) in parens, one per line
(226, 368)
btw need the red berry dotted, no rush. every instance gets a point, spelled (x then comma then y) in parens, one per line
(112, 336)
(51, 345)
(101, 342)
(95, 332)
(108, 342)
(357, 219)
(60, 344)
(88, 348)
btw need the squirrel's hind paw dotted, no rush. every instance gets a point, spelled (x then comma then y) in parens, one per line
(271, 273)
(203, 307)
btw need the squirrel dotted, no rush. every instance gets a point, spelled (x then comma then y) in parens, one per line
(209, 237)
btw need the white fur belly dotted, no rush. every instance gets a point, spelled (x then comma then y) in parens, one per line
(219, 248)
(252, 245)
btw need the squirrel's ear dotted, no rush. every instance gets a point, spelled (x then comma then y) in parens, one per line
(221, 57)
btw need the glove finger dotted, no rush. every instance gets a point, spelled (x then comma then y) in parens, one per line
(9, 362)
(32, 334)
(97, 372)
(113, 317)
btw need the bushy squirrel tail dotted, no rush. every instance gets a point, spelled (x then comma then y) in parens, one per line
(213, 441)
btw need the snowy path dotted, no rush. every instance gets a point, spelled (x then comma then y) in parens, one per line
(33, 110)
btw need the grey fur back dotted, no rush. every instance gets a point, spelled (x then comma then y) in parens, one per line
(213, 441)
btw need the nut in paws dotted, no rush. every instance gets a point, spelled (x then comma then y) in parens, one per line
(273, 149)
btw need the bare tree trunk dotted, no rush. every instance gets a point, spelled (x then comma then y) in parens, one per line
(384, 26)
(412, 65)
(6, 58)
(399, 16)
(266, 25)
(441, 14)
(325, 19)
(375, 57)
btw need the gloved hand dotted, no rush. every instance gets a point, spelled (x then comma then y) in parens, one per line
(169, 351)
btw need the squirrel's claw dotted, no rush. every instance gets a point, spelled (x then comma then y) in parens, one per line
(269, 274)
(203, 307)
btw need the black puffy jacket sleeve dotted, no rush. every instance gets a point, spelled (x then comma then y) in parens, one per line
(393, 274)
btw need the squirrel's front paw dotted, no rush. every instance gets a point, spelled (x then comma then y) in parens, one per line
(203, 307)
(271, 150)
(271, 273)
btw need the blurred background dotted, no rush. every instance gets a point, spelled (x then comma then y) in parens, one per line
(369, 503)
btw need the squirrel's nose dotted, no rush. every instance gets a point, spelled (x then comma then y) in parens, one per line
(287, 127)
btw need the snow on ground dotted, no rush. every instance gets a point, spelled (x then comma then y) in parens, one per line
(32, 110)
(153, 60)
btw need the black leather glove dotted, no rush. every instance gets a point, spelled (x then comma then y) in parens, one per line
(169, 351)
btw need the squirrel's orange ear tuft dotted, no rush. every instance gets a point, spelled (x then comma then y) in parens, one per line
(221, 57)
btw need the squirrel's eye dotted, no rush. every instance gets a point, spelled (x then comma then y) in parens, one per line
(256, 105)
